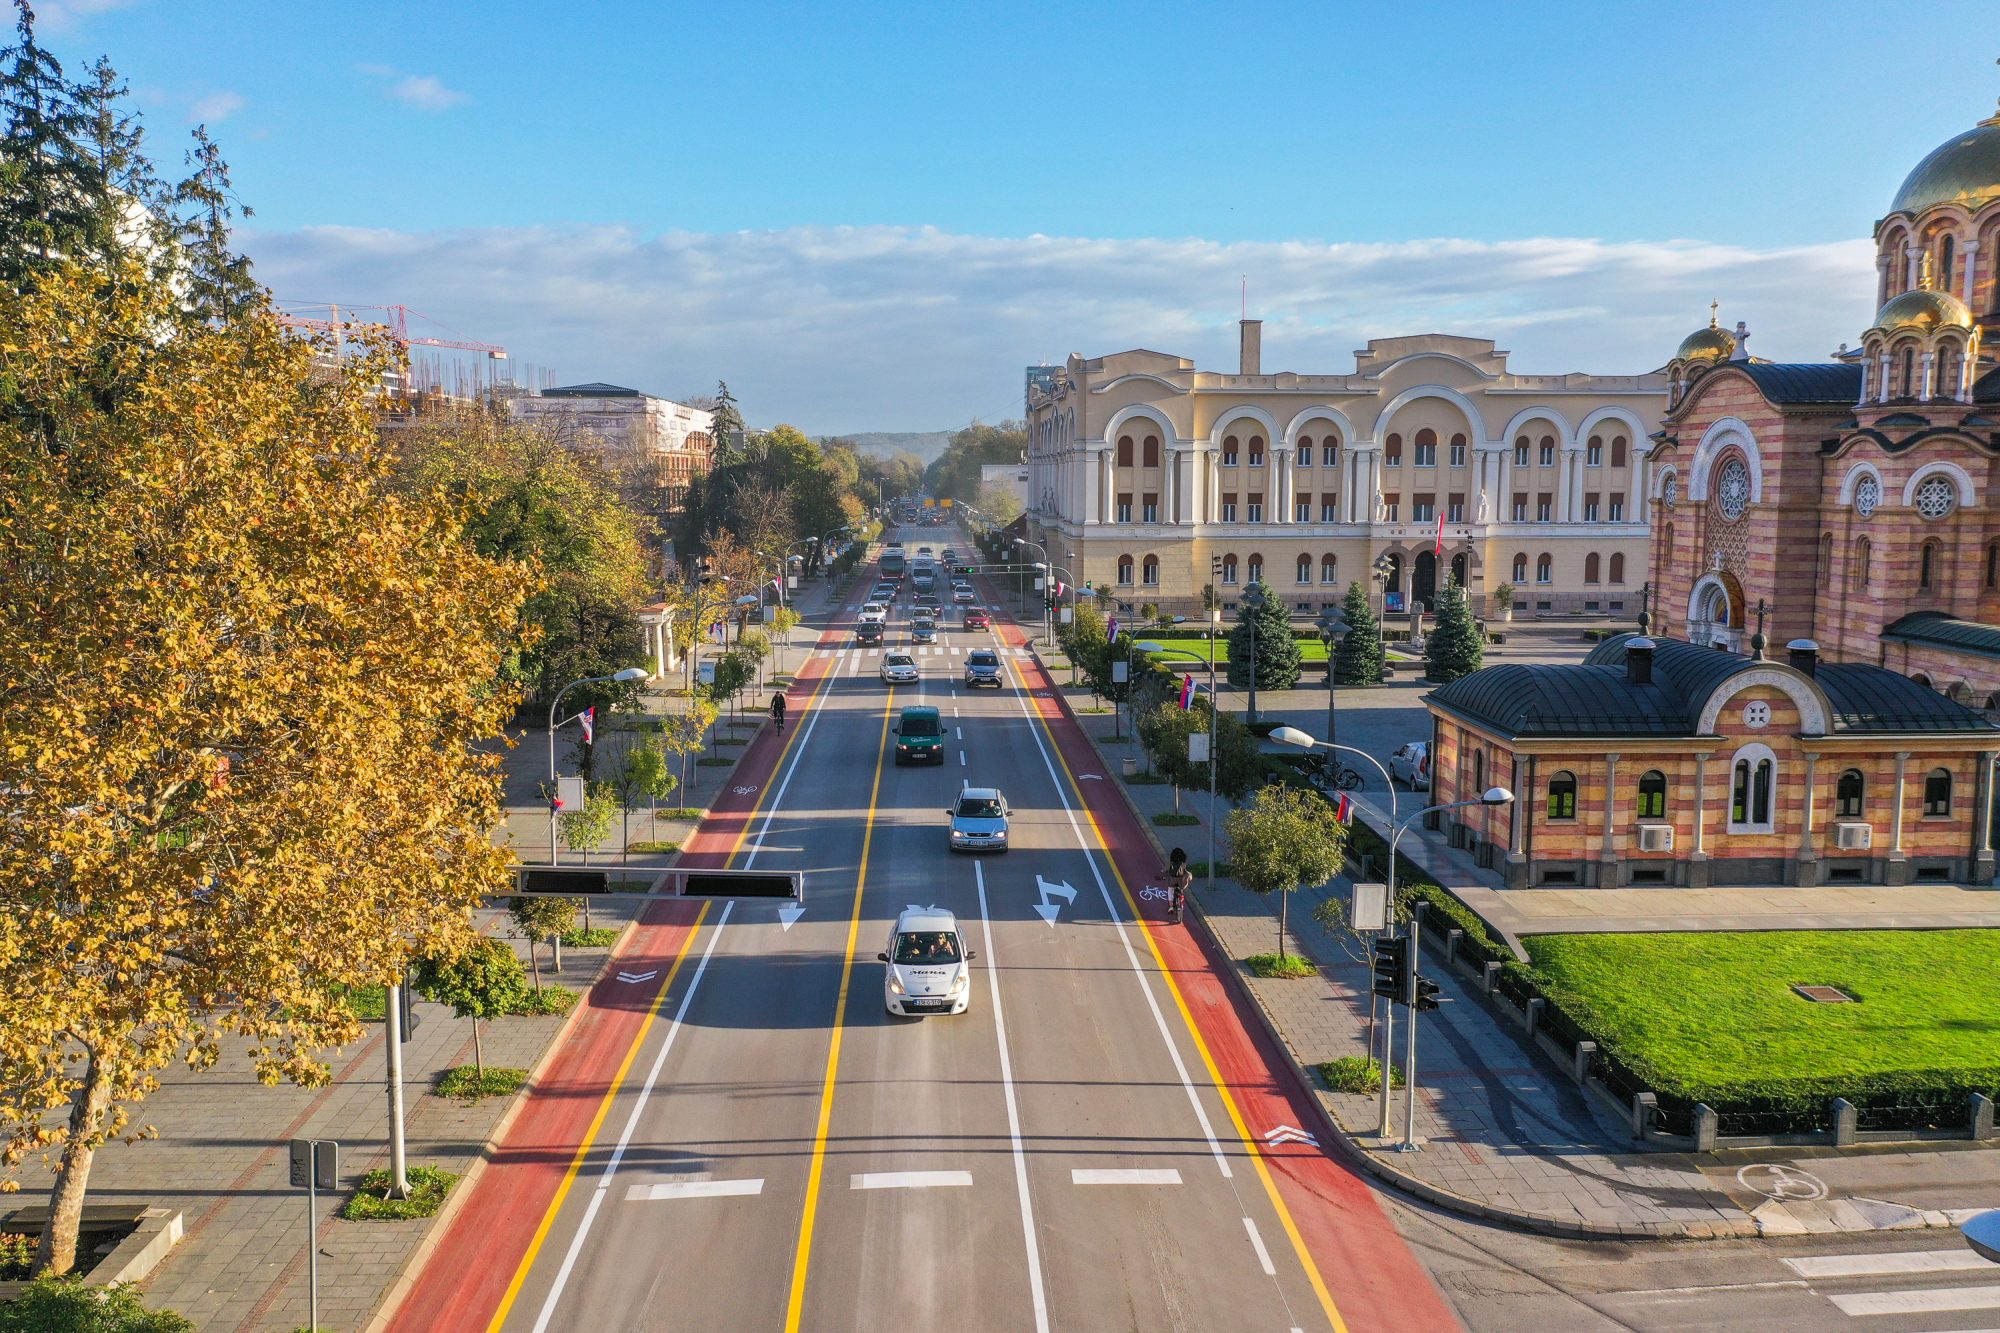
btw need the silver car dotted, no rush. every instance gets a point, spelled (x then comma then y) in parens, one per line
(928, 970)
(978, 820)
(899, 669)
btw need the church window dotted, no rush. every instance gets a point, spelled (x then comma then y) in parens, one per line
(1670, 489)
(1937, 792)
(1993, 565)
(1653, 795)
(1936, 497)
(1908, 378)
(1733, 488)
(1867, 494)
(1947, 260)
(1927, 567)
(1847, 795)
(1825, 556)
(1859, 567)
(1562, 795)
(1752, 779)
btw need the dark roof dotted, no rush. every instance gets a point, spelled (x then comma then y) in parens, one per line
(1935, 627)
(595, 389)
(1986, 389)
(1596, 699)
(1812, 383)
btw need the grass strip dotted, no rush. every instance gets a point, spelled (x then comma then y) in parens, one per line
(428, 1186)
(1285, 967)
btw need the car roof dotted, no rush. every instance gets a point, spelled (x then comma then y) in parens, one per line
(920, 710)
(926, 918)
(985, 652)
(980, 793)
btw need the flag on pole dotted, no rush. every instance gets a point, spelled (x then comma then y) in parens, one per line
(1187, 692)
(588, 720)
(1440, 541)
(1111, 631)
(1343, 808)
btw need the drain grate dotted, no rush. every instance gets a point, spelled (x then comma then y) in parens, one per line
(1824, 994)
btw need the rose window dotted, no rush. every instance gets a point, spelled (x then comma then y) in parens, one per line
(1936, 497)
(1734, 489)
(1867, 494)
(1670, 489)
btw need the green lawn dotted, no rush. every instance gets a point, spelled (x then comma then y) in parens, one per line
(1713, 1017)
(1309, 651)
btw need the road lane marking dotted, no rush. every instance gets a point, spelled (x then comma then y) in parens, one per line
(1270, 1184)
(908, 1180)
(961, 759)
(1257, 1243)
(1013, 1113)
(1932, 1301)
(1084, 1175)
(802, 1258)
(1875, 1265)
(540, 1238)
(694, 1189)
(631, 1127)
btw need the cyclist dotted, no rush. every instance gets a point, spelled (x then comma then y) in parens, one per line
(1178, 878)
(778, 710)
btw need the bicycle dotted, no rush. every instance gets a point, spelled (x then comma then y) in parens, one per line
(1331, 775)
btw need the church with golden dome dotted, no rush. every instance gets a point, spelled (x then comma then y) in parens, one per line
(1851, 502)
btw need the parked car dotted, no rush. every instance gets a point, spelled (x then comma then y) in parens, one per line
(928, 968)
(920, 736)
(976, 618)
(982, 667)
(1411, 765)
(978, 820)
(899, 668)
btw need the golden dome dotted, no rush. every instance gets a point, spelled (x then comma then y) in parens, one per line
(1713, 343)
(1965, 170)
(1923, 310)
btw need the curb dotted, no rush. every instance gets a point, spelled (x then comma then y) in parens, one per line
(1356, 1155)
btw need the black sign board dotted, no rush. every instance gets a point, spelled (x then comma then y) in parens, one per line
(738, 884)
(562, 879)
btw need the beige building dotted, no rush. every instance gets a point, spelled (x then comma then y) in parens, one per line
(658, 441)
(1161, 479)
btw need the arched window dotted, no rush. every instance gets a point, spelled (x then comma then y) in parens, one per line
(1617, 567)
(1825, 556)
(1229, 569)
(1993, 564)
(1593, 452)
(1546, 455)
(1124, 451)
(1590, 568)
(1256, 568)
(1458, 451)
(1753, 778)
(1150, 455)
(1544, 569)
(1125, 570)
(1256, 451)
(1479, 770)
(1305, 569)
(1653, 795)
(1150, 571)
(1329, 451)
(1921, 679)
(1329, 570)
(1937, 792)
(1562, 795)
(1859, 566)
(1618, 451)
(1305, 455)
(1927, 567)
(1908, 380)
(1947, 259)
(1847, 794)
(1521, 568)
(1392, 451)
(1427, 447)
(1229, 451)
(1521, 451)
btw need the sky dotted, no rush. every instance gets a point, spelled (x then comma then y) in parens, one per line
(873, 217)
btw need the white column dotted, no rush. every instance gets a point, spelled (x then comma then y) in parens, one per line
(1867, 373)
(1882, 263)
(1481, 461)
(1283, 485)
(1971, 252)
(1350, 472)
(1642, 490)
(1930, 375)
(1963, 390)
(1882, 378)
(1106, 483)
(1563, 487)
(1913, 257)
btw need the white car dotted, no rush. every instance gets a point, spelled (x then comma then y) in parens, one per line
(899, 669)
(1411, 766)
(978, 820)
(874, 613)
(928, 968)
(963, 593)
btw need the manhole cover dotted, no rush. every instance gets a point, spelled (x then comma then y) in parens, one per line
(1825, 994)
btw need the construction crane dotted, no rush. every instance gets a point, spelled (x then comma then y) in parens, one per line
(398, 325)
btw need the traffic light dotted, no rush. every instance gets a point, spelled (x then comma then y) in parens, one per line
(1426, 993)
(704, 571)
(1392, 969)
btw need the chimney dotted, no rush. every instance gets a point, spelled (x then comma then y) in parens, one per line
(1253, 346)
(1639, 661)
(1803, 655)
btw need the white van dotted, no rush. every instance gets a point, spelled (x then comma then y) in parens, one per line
(929, 968)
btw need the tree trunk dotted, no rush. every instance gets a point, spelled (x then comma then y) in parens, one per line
(535, 964)
(1284, 904)
(478, 1060)
(56, 1251)
(625, 835)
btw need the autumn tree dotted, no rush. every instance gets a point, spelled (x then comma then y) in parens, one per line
(481, 979)
(1286, 839)
(541, 918)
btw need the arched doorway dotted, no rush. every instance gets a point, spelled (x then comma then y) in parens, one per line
(1460, 568)
(1715, 612)
(1423, 582)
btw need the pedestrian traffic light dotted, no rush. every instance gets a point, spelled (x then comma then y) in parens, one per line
(1392, 969)
(1426, 993)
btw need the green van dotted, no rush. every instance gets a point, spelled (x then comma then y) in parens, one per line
(920, 737)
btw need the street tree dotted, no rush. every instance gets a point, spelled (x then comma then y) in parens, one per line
(586, 828)
(1359, 659)
(482, 979)
(1454, 648)
(685, 732)
(247, 695)
(541, 918)
(1284, 840)
(1277, 652)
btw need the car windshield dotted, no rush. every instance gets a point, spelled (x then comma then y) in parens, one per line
(983, 659)
(979, 807)
(899, 659)
(926, 946)
(920, 726)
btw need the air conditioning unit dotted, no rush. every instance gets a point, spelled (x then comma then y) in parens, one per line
(1854, 837)
(1656, 837)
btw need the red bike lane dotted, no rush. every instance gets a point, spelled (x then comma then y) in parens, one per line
(1374, 1279)
(459, 1279)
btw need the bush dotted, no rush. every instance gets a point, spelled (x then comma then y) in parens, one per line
(17, 1255)
(1286, 967)
(1356, 1073)
(653, 848)
(714, 761)
(428, 1186)
(1146, 780)
(551, 999)
(66, 1305)
(592, 937)
(470, 1083)
(680, 812)
(1168, 819)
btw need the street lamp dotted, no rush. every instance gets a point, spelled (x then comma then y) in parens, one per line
(1333, 628)
(1254, 598)
(622, 677)
(1152, 649)
(1020, 573)
(1383, 570)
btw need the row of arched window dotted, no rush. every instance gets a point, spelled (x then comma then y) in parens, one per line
(1323, 451)
(1752, 785)
(1932, 564)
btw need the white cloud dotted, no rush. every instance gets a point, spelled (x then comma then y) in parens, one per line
(912, 328)
(426, 92)
(65, 15)
(215, 107)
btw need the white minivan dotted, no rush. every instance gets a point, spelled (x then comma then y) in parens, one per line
(929, 968)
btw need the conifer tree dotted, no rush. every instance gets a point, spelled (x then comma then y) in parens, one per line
(130, 206)
(1277, 651)
(1359, 661)
(217, 279)
(1454, 649)
(46, 210)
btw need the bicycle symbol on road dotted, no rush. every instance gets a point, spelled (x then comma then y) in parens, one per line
(1154, 893)
(744, 791)
(1775, 1180)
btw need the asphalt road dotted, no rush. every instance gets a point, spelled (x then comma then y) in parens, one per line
(795, 1157)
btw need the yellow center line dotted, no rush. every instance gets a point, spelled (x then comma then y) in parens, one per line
(1255, 1149)
(795, 1308)
(547, 1223)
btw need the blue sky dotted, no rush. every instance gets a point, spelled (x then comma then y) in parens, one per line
(668, 194)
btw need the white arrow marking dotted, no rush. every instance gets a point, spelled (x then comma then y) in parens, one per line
(638, 976)
(1060, 889)
(790, 913)
(1290, 1134)
(694, 1189)
(1090, 777)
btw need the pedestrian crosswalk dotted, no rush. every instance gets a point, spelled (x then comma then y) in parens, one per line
(1828, 1275)
(926, 650)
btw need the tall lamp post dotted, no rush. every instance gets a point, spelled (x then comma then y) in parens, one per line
(1254, 598)
(1333, 628)
(625, 676)
(1021, 572)
(1152, 649)
(1382, 571)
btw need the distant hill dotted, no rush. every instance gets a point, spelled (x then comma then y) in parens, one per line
(925, 444)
